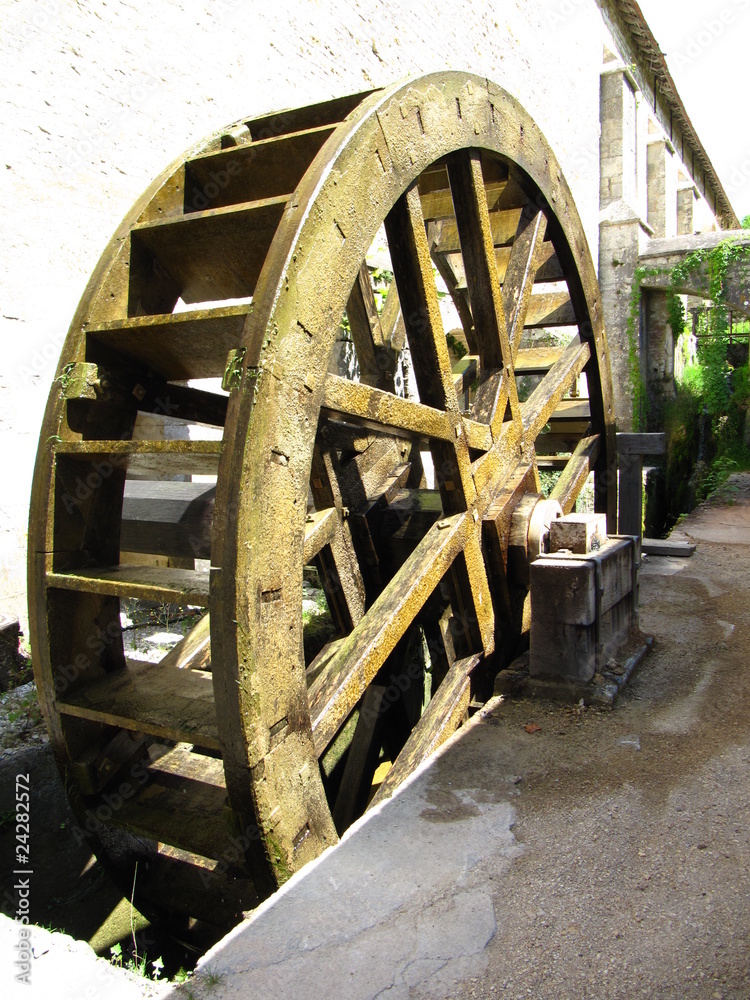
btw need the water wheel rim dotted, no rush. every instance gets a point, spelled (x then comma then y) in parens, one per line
(269, 749)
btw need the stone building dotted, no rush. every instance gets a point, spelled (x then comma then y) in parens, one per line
(97, 98)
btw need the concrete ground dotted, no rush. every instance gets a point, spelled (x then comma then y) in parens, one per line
(604, 854)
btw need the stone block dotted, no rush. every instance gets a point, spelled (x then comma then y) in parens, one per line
(580, 533)
(582, 610)
(10, 632)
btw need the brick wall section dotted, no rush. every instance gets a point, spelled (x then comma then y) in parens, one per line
(97, 98)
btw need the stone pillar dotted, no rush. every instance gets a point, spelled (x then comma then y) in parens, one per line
(658, 341)
(662, 187)
(618, 144)
(685, 205)
(620, 224)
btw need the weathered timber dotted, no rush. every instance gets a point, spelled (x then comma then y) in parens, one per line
(544, 402)
(172, 457)
(337, 690)
(167, 518)
(536, 360)
(361, 758)
(148, 583)
(216, 254)
(576, 472)
(180, 346)
(441, 719)
(147, 698)
(268, 168)
(193, 652)
(177, 810)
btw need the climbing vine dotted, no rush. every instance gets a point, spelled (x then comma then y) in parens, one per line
(714, 378)
(707, 268)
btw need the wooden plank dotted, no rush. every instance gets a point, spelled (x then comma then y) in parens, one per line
(443, 715)
(546, 398)
(550, 268)
(167, 518)
(171, 457)
(377, 362)
(149, 583)
(438, 203)
(268, 168)
(339, 687)
(183, 813)
(572, 409)
(320, 528)
(503, 226)
(121, 384)
(373, 407)
(525, 257)
(576, 472)
(550, 309)
(193, 652)
(412, 268)
(181, 762)
(667, 547)
(179, 345)
(641, 444)
(536, 360)
(217, 254)
(284, 122)
(193, 886)
(630, 494)
(148, 698)
(361, 758)
(472, 220)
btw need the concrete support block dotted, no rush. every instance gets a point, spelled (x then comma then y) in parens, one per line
(582, 610)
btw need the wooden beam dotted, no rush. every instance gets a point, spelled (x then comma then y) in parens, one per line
(353, 667)
(442, 717)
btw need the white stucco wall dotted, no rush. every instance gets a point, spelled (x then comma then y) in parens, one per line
(97, 97)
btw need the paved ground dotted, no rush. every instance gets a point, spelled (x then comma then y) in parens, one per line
(605, 855)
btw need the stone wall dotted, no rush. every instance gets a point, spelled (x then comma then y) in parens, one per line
(97, 98)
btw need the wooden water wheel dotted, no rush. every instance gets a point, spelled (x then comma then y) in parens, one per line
(303, 257)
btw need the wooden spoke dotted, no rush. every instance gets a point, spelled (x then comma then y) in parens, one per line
(441, 719)
(320, 530)
(382, 409)
(543, 401)
(412, 265)
(472, 220)
(477, 248)
(576, 472)
(523, 264)
(361, 758)
(194, 651)
(354, 665)
(376, 360)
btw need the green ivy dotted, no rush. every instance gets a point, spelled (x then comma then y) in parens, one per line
(638, 391)
(715, 370)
